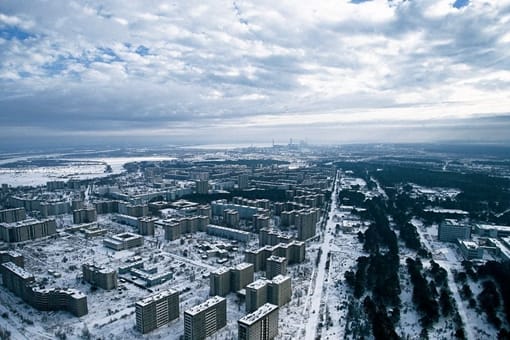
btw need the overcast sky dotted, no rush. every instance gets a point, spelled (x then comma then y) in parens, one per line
(252, 71)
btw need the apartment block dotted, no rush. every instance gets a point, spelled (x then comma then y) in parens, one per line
(240, 276)
(100, 276)
(256, 295)
(262, 324)
(279, 290)
(87, 215)
(146, 225)
(205, 319)
(157, 310)
(219, 282)
(451, 231)
(12, 215)
(27, 230)
(276, 265)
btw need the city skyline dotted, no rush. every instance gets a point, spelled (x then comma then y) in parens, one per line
(85, 73)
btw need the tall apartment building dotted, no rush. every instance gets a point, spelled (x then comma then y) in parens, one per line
(231, 218)
(219, 282)
(276, 265)
(279, 290)
(86, 215)
(100, 276)
(146, 225)
(172, 230)
(256, 295)
(27, 230)
(205, 319)
(305, 222)
(240, 276)
(12, 215)
(260, 221)
(242, 181)
(157, 310)
(202, 186)
(262, 324)
(226, 280)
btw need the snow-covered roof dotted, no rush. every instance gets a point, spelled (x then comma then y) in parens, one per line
(264, 310)
(205, 305)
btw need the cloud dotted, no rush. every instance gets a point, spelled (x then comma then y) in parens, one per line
(167, 70)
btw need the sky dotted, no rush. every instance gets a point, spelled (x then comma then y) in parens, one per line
(160, 72)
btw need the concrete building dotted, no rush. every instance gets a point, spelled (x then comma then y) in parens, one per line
(55, 185)
(12, 215)
(146, 225)
(202, 186)
(27, 230)
(276, 265)
(305, 222)
(205, 319)
(279, 290)
(22, 284)
(123, 241)
(272, 237)
(172, 230)
(12, 256)
(451, 231)
(233, 234)
(100, 276)
(53, 299)
(294, 252)
(219, 282)
(157, 310)
(243, 181)
(488, 230)
(256, 295)
(262, 324)
(54, 207)
(87, 215)
(231, 218)
(260, 221)
(240, 276)
(470, 250)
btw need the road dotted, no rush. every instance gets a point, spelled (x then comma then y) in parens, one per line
(314, 296)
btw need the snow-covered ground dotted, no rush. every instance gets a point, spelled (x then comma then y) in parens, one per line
(78, 168)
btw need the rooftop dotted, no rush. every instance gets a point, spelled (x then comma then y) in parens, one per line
(18, 270)
(280, 279)
(205, 305)
(264, 310)
(156, 297)
(257, 284)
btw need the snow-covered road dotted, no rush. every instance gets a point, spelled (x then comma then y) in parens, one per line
(315, 294)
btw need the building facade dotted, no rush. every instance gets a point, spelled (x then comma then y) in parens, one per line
(261, 324)
(205, 319)
(157, 310)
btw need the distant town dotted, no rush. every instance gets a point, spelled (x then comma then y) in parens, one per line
(289, 241)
